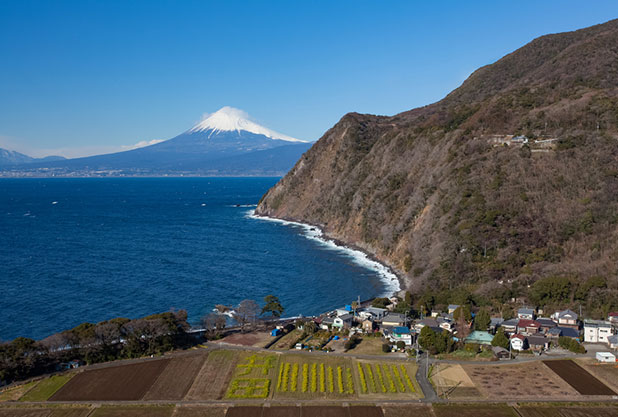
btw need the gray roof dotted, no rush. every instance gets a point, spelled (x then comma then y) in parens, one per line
(525, 310)
(496, 321)
(567, 313)
(555, 330)
(346, 317)
(328, 320)
(546, 322)
(510, 322)
(453, 306)
(613, 339)
(537, 340)
(395, 316)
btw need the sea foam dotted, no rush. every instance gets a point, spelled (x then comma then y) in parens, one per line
(360, 258)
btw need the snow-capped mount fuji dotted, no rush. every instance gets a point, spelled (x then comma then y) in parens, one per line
(229, 119)
(224, 143)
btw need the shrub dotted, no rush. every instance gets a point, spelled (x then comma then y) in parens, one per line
(386, 347)
(362, 378)
(401, 344)
(571, 344)
(374, 387)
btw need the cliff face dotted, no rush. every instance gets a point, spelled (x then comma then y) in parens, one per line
(444, 196)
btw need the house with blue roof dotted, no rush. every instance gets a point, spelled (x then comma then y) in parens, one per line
(401, 334)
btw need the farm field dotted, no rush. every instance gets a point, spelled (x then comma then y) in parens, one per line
(606, 372)
(176, 379)
(191, 411)
(387, 379)
(532, 379)
(369, 346)
(253, 375)
(285, 341)
(116, 383)
(46, 388)
(408, 411)
(133, 411)
(460, 410)
(255, 339)
(15, 393)
(45, 412)
(304, 376)
(214, 376)
(451, 381)
(575, 411)
(578, 378)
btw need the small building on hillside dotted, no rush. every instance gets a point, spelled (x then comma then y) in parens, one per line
(327, 323)
(343, 310)
(546, 324)
(569, 332)
(445, 324)
(452, 308)
(519, 342)
(597, 331)
(528, 327)
(525, 313)
(401, 334)
(501, 353)
(479, 337)
(510, 326)
(368, 326)
(376, 312)
(566, 318)
(275, 332)
(343, 322)
(613, 317)
(606, 357)
(494, 324)
(394, 319)
(538, 342)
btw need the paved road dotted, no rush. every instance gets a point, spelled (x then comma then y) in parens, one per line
(421, 376)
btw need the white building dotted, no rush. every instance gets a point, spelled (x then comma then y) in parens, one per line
(525, 313)
(518, 342)
(597, 331)
(606, 357)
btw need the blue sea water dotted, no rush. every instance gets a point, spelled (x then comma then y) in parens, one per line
(77, 250)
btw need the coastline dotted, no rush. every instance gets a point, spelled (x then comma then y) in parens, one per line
(393, 282)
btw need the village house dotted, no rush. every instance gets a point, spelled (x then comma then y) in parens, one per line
(612, 341)
(343, 322)
(445, 324)
(528, 327)
(566, 318)
(510, 326)
(394, 320)
(525, 313)
(546, 324)
(480, 338)
(519, 342)
(613, 318)
(538, 342)
(343, 310)
(401, 334)
(428, 322)
(597, 331)
(327, 323)
(501, 353)
(452, 308)
(376, 312)
(368, 326)
(494, 324)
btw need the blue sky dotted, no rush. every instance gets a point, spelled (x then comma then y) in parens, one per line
(82, 77)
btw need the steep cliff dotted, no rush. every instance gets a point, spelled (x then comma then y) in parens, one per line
(448, 198)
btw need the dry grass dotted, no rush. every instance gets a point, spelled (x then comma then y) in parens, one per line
(451, 381)
(606, 372)
(214, 376)
(176, 379)
(369, 346)
(133, 411)
(15, 393)
(255, 339)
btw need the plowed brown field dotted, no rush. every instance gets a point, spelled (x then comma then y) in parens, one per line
(214, 377)
(579, 378)
(117, 383)
(176, 379)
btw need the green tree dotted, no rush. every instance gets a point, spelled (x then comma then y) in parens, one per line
(482, 320)
(500, 339)
(273, 306)
(427, 338)
(551, 290)
(462, 312)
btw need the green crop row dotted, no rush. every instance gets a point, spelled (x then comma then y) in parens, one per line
(407, 378)
(305, 377)
(314, 377)
(286, 374)
(350, 380)
(380, 378)
(280, 379)
(400, 384)
(340, 379)
(331, 382)
(371, 378)
(294, 378)
(249, 388)
(322, 383)
(362, 377)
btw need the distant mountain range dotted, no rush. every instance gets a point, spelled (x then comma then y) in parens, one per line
(226, 143)
(8, 158)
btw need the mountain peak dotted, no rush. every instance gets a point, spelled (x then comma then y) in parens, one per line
(229, 119)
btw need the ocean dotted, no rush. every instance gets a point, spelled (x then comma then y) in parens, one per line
(91, 249)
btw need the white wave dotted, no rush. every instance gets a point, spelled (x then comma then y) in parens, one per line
(242, 205)
(360, 258)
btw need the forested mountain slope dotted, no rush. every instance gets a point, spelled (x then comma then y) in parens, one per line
(445, 196)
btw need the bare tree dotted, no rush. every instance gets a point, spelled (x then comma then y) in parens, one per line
(246, 312)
